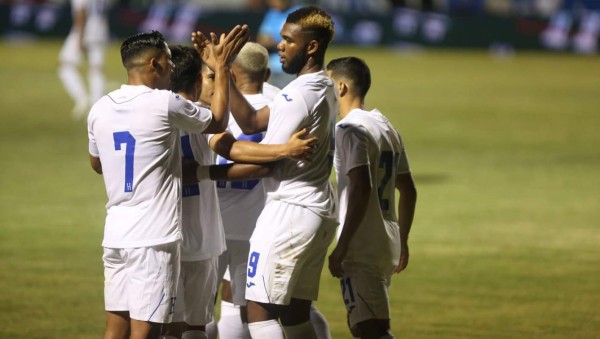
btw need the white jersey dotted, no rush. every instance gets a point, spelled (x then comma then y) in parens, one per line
(307, 102)
(135, 132)
(203, 236)
(96, 23)
(368, 138)
(270, 91)
(241, 201)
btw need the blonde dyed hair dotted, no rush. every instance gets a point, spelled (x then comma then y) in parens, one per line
(253, 59)
(315, 21)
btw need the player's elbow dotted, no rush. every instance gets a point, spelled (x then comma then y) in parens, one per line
(96, 164)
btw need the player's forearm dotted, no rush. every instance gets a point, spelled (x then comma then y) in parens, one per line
(251, 152)
(220, 100)
(406, 212)
(357, 209)
(233, 172)
(244, 114)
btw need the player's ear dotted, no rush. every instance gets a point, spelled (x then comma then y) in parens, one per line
(342, 88)
(155, 65)
(312, 47)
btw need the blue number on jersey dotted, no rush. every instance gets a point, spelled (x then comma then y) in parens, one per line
(252, 263)
(129, 141)
(347, 292)
(386, 161)
(186, 148)
(246, 184)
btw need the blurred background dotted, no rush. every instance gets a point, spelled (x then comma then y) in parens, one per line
(498, 24)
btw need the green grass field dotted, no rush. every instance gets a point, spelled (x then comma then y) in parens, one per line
(505, 153)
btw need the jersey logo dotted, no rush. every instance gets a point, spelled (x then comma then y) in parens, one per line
(250, 284)
(288, 99)
(342, 126)
(177, 96)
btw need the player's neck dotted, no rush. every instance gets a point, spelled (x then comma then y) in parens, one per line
(250, 88)
(347, 104)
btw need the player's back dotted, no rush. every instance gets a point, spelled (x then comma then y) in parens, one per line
(136, 139)
(307, 102)
(241, 201)
(385, 151)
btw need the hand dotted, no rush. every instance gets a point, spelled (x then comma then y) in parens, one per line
(188, 171)
(335, 262)
(220, 51)
(300, 147)
(403, 258)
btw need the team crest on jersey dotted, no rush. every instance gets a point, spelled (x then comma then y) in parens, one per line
(343, 126)
(177, 96)
(287, 98)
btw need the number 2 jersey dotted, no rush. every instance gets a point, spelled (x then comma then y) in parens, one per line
(368, 138)
(134, 131)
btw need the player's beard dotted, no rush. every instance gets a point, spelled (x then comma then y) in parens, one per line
(295, 64)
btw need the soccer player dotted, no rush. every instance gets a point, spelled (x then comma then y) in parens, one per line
(134, 143)
(88, 37)
(371, 163)
(241, 201)
(290, 241)
(203, 236)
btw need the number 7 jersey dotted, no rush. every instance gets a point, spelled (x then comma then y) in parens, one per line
(368, 138)
(135, 132)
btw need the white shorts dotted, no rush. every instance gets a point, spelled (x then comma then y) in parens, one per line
(142, 281)
(71, 52)
(365, 292)
(236, 258)
(287, 252)
(196, 292)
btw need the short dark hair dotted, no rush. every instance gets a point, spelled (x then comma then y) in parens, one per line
(187, 68)
(355, 70)
(137, 44)
(314, 21)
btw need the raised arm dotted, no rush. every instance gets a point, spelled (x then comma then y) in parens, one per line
(218, 56)
(359, 188)
(406, 211)
(298, 147)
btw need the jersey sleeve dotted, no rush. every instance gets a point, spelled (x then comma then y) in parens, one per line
(187, 116)
(92, 146)
(351, 147)
(403, 165)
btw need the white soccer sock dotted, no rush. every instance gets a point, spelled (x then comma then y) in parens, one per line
(301, 331)
(319, 323)
(211, 330)
(270, 329)
(71, 79)
(96, 81)
(230, 324)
